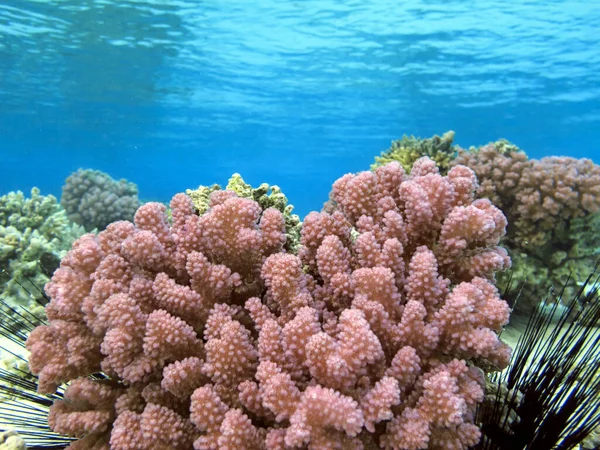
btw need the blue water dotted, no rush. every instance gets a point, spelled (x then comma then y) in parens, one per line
(173, 94)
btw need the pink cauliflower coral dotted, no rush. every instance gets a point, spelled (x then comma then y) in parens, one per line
(212, 337)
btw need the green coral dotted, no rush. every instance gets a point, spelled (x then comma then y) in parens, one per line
(35, 233)
(408, 149)
(265, 195)
(200, 197)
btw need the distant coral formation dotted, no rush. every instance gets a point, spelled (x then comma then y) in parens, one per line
(212, 336)
(10, 440)
(93, 199)
(552, 206)
(267, 197)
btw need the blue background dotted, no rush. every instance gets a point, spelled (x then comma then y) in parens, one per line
(173, 94)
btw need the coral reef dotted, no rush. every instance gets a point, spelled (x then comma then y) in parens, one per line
(409, 149)
(211, 336)
(552, 206)
(93, 199)
(35, 234)
(266, 196)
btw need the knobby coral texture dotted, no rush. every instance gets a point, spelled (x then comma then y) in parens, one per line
(553, 210)
(212, 337)
(539, 196)
(94, 199)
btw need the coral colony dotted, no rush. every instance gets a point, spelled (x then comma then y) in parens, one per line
(201, 331)
(552, 206)
(93, 199)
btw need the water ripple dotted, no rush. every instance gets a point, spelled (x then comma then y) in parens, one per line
(342, 77)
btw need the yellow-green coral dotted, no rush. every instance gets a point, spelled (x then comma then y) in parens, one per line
(34, 234)
(17, 365)
(10, 440)
(201, 196)
(505, 147)
(37, 213)
(265, 195)
(408, 149)
(237, 184)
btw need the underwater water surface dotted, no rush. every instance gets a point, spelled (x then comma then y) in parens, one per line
(396, 314)
(173, 94)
